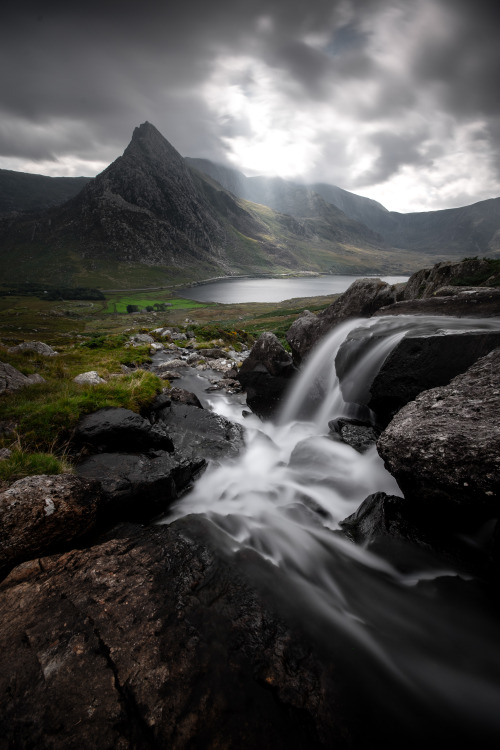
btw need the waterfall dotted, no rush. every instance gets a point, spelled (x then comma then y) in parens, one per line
(435, 659)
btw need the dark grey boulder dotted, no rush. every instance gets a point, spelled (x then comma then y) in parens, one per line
(265, 374)
(413, 537)
(114, 429)
(136, 486)
(43, 513)
(444, 447)
(199, 433)
(418, 363)
(363, 298)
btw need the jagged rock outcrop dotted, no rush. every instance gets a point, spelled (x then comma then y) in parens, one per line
(477, 302)
(42, 513)
(415, 364)
(444, 447)
(363, 298)
(426, 282)
(155, 639)
(266, 373)
(11, 379)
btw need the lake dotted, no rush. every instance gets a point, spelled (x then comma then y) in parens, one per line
(230, 291)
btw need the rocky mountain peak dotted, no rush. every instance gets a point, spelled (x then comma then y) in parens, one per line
(149, 144)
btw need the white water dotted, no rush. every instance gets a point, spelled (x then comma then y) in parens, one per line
(437, 659)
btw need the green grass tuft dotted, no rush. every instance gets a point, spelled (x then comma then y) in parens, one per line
(21, 464)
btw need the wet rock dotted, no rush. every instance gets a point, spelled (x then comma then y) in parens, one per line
(182, 396)
(155, 639)
(33, 346)
(11, 379)
(89, 378)
(418, 363)
(211, 353)
(412, 537)
(115, 429)
(265, 374)
(444, 447)
(363, 298)
(198, 433)
(356, 433)
(136, 487)
(41, 513)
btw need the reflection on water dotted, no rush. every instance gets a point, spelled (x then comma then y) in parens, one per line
(420, 637)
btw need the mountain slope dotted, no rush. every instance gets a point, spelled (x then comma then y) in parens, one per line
(21, 191)
(449, 233)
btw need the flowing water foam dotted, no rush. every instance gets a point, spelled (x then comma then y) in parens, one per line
(284, 497)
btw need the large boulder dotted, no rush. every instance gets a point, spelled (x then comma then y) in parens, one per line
(136, 487)
(265, 374)
(199, 433)
(42, 513)
(118, 429)
(363, 298)
(415, 364)
(155, 639)
(33, 346)
(444, 447)
(11, 379)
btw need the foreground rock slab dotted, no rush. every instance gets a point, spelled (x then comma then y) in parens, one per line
(444, 447)
(40, 512)
(153, 640)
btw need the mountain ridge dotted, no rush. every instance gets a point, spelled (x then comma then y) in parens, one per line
(153, 217)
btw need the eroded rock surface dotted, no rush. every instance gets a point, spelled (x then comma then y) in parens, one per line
(444, 447)
(155, 640)
(40, 512)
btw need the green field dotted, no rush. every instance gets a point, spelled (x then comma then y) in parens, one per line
(118, 303)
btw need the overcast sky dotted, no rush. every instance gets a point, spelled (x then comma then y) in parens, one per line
(396, 100)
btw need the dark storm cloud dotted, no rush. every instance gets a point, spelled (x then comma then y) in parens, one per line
(376, 86)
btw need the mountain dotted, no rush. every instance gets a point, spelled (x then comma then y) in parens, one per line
(454, 232)
(150, 218)
(21, 191)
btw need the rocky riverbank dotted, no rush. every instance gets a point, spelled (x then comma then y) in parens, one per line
(123, 634)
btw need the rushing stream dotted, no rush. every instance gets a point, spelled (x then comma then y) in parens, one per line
(422, 638)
